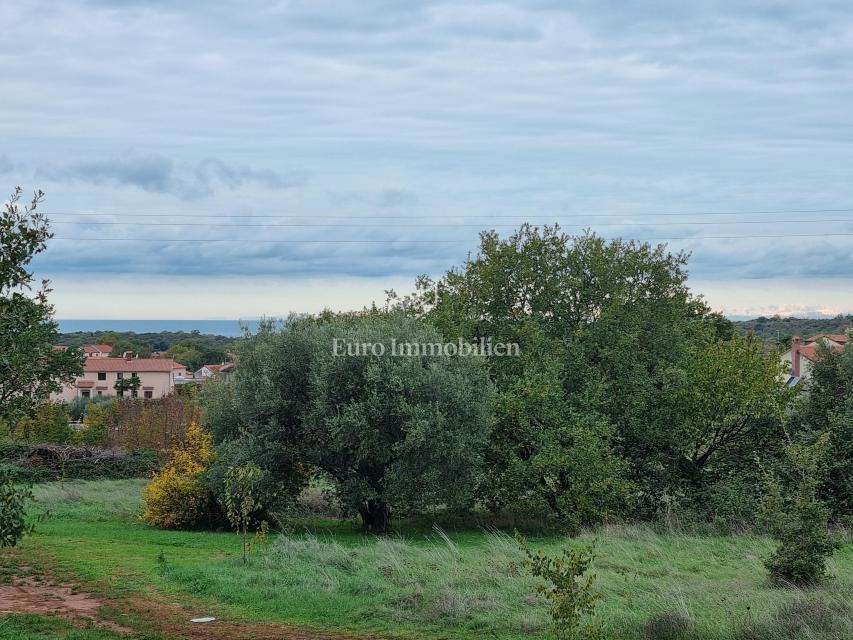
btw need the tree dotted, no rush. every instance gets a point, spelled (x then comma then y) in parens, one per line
(243, 498)
(13, 509)
(804, 541)
(728, 400)
(392, 432)
(30, 368)
(618, 312)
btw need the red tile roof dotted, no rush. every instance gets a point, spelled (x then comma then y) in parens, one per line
(139, 365)
(835, 337)
(97, 348)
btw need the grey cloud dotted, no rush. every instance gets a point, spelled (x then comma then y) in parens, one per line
(155, 173)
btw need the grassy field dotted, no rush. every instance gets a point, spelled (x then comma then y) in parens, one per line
(427, 583)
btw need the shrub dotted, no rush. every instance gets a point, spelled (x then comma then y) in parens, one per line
(570, 594)
(243, 499)
(50, 423)
(13, 505)
(177, 497)
(804, 542)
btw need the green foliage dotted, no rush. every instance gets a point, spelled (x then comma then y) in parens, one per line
(826, 406)
(131, 384)
(159, 341)
(780, 330)
(392, 432)
(13, 508)
(30, 369)
(194, 354)
(139, 348)
(243, 499)
(136, 463)
(616, 315)
(804, 542)
(49, 423)
(569, 593)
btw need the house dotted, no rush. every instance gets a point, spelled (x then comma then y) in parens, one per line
(97, 350)
(156, 376)
(214, 371)
(802, 355)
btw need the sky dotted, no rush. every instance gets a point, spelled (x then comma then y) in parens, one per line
(260, 158)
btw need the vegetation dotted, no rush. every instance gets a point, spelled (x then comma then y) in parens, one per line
(804, 542)
(569, 593)
(147, 342)
(780, 330)
(243, 487)
(177, 497)
(30, 369)
(13, 509)
(403, 433)
(427, 583)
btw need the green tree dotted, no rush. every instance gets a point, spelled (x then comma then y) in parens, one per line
(825, 405)
(403, 433)
(243, 499)
(569, 591)
(728, 400)
(804, 541)
(30, 368)
(618, 312)
(13, 509)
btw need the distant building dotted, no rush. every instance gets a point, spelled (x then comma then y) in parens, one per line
(97, 350)
(157, 376)
(214, 371)
(802, 355)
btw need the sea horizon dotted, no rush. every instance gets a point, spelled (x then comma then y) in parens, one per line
(230, 328)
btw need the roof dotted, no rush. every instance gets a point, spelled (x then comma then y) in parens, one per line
(835, 337)
(225, 366)
(97, 348)
(138, 365)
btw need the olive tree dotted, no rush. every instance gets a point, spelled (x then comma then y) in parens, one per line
(393, 432)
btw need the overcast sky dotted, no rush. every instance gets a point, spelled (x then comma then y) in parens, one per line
(392, 120)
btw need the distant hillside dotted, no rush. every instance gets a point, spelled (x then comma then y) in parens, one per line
(777, 329)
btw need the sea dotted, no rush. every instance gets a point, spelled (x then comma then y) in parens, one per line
(216, 327)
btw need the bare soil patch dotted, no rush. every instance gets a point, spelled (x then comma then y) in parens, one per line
(27, 595)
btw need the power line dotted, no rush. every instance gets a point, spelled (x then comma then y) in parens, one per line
(453, 217)
(404, 241)
(444, 226)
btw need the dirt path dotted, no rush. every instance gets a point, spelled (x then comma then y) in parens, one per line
(30, 595)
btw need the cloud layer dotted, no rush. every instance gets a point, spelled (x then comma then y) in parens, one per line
(420, 112)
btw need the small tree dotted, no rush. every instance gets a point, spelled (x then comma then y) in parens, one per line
(243, 490)
(804, 542)
(570, 593)
(30, 368)
(13, 509)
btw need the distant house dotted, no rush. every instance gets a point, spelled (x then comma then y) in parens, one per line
(802, 355)
(157, 377)
(214, 371)
(97, 350)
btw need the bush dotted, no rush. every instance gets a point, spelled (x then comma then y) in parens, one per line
(13, 504)
(50, 423)
(47, 463)
(177, 496)
(569, 594)
(804, 542)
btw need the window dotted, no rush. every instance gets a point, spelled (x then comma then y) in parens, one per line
(149, 395)
(120, 393)
(134, 393)
(133, 375)
(100, 393)
(120, 375)
(102, 375)
(85, 393)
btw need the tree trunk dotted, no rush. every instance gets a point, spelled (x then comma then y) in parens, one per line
(375, 516)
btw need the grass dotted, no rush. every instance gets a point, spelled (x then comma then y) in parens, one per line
(37, 627)
(428, 584)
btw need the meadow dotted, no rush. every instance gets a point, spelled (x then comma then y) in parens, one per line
(418, 582)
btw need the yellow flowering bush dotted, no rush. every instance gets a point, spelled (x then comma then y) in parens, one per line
(176, 497)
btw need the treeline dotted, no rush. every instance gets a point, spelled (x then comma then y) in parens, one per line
(630, 398)
(780, 330)
(191, 348)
